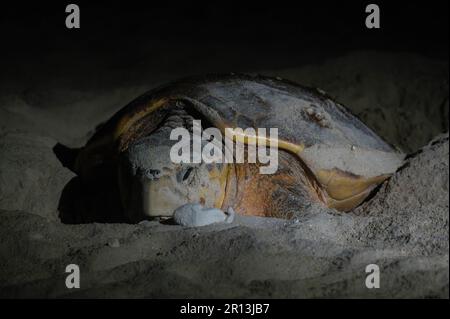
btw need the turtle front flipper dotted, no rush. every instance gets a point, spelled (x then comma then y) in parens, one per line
(349, 203)
(67, 156)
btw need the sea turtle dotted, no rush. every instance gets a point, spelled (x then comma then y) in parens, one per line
(326, 154)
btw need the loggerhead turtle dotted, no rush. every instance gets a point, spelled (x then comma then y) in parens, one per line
(326, 154)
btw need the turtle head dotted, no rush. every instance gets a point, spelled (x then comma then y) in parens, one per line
(152, 185)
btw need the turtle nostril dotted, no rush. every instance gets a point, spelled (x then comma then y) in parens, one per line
(156, 173)
(150, 173)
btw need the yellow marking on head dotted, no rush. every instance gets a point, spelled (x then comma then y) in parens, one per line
(127, 121)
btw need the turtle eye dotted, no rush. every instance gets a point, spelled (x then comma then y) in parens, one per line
(185, 174)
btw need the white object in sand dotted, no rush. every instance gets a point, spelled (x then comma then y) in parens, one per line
(195, 215)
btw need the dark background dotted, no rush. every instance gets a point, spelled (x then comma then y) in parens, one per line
(253, 34)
